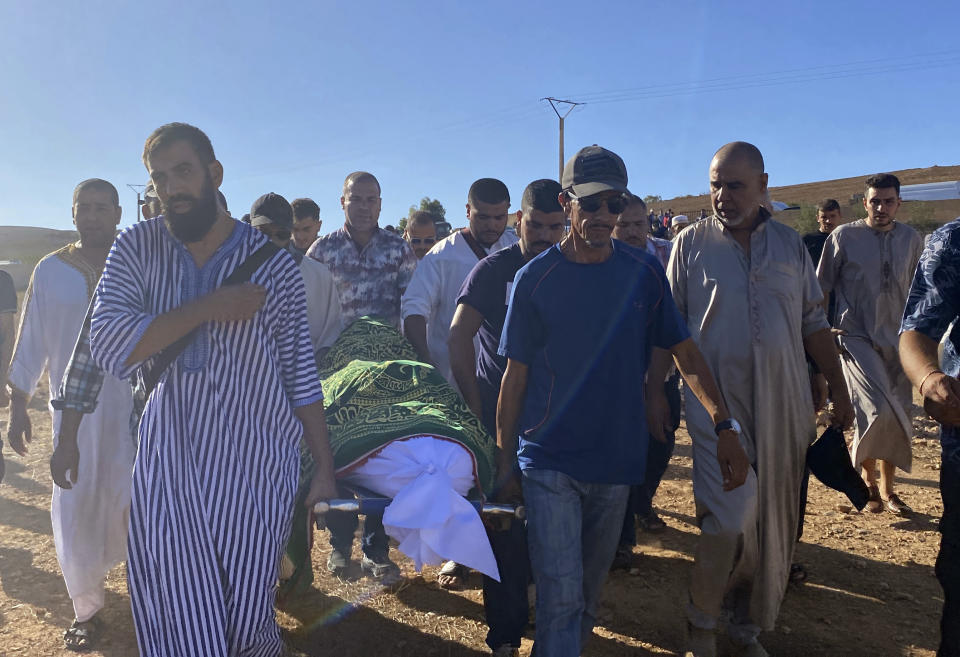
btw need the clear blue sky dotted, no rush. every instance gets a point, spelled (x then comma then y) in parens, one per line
(431, 96)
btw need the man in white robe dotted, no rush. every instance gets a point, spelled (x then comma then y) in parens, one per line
(90, 518)
(747, 289)
(869, 266)
(430, 300)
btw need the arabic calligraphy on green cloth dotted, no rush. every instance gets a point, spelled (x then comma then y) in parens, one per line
(376, 392)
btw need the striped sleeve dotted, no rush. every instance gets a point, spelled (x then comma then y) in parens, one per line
(298, 368)
(119, 312)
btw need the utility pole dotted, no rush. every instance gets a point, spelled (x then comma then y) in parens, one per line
(137, 189)
(553, 103)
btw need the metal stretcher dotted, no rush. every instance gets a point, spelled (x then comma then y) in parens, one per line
(365, 502)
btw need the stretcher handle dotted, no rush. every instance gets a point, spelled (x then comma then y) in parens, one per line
(378, 504)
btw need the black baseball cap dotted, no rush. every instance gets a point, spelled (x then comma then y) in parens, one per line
(592, 170)
(271, 208)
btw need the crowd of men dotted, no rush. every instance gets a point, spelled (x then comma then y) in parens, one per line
(567, 335)
(666, 224)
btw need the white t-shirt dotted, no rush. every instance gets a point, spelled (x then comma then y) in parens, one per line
(434, 289)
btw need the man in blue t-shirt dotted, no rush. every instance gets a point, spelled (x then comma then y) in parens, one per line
(481, 310)
(933, 307)
(583, 319)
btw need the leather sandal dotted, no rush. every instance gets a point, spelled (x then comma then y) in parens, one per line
(82, 636)
(896, 506)
(452, 576)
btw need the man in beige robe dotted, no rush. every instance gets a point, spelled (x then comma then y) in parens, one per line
(749, 294)
(869, 265)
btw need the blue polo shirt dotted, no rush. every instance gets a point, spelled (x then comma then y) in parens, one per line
(932, 305)
(586, 331)
(487, 290)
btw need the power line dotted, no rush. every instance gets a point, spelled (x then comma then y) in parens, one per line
(789, 76)
(516, 113)
(883, 63)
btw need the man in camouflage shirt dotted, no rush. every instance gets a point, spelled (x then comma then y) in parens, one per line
(371, 266)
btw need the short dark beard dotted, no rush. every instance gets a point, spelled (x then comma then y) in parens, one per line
(194, 224)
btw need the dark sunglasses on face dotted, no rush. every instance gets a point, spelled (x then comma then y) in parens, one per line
(615, 204)
(423, 240)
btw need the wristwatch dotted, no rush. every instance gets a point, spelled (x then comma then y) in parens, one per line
(730, 424)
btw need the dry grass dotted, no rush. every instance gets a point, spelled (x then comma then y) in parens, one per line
(871, 588)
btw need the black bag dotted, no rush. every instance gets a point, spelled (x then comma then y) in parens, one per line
(829, 461)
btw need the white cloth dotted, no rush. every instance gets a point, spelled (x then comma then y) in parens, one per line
(748, 315)
(434, 289)
(427, 478)
(90, 520)
(324, 315)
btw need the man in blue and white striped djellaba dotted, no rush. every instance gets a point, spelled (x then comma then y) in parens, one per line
(217, 466)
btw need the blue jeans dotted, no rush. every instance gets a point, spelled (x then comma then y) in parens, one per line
(505, 603)
(373, 541)
(572, 530)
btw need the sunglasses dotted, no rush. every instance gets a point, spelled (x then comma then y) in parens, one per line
(423, 240)
(615, 204)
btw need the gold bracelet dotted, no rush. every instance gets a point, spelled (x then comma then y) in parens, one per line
(924, 379)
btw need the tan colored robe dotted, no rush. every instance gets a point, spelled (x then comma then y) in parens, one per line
(748, 315)
(870, 274)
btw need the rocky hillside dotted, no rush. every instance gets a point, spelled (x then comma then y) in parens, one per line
(23, 246)
(848, 192)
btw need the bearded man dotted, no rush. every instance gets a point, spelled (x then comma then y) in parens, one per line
(218, 463)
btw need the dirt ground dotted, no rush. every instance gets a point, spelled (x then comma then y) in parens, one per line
(871, 589)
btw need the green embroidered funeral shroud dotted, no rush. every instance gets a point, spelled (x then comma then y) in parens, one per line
(376, 392)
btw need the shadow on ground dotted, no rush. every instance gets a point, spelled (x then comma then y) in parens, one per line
(900, 604)
(24, 516)
(17, 477)
(46, 593)
(330, 625)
